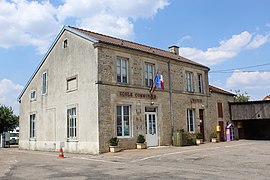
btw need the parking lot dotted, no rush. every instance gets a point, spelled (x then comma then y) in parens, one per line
(228, 160)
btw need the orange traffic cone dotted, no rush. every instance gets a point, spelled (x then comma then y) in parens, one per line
(61, 154)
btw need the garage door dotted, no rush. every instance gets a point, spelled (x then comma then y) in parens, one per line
(255, 129)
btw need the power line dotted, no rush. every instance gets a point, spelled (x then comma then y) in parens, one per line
(267, 70)
(232, 70)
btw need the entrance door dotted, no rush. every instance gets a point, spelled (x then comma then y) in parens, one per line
(151, 128)
(221, 133)
(201, 114)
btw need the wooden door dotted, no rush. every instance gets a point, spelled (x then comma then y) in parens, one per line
(221, 134)
(201, 114)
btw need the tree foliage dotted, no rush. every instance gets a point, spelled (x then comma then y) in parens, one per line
(241, 97)
(8, 120)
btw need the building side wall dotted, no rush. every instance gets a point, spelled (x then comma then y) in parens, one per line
(250, 111)
(213, 118)
(78, 59)
(110, 96)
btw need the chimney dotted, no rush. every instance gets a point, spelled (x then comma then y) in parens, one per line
(174, 50)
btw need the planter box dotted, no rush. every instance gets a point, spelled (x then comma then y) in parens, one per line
(214, 140)
(180, 139)
(198, 141)
(115, 149)
(141, 145)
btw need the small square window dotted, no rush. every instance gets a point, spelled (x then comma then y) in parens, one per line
(72, 83)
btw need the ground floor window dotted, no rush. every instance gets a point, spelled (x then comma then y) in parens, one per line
(71, 123)
(123, 121)
(32, 125)
(190, 120)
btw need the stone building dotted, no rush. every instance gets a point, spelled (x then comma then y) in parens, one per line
(90, 87)
(219, 112)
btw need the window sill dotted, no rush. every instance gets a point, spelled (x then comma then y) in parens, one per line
(124, 137)
(33, 100)
(32, 139)
(72, 140)
(71, 90)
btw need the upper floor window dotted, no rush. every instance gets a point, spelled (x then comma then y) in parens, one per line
(33, 95)
(149, 74)
(190, 120)
(44, 83)
(123, 121)
(220, 110)
(200, 83)
(71, 123)
(122, 70)
(189, 82)
(32, 125)
(72, 83)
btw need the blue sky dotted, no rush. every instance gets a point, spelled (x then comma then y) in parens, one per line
(225, 34)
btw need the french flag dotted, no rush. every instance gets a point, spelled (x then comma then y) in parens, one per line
(158, 84)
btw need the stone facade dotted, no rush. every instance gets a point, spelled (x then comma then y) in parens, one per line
(224, 99)
(98, 94)
(109, 96)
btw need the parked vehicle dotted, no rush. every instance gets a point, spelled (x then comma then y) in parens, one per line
(14, 136)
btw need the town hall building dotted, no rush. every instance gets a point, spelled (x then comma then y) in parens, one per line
(90, 87)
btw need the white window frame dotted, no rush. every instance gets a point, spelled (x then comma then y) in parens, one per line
(72, 123)
(191, 120)
(33, 125)
(200, 84)
(189, 81)
(120, 70)
(35, 95)
(44, 83)
(122, 121)
(148, 81)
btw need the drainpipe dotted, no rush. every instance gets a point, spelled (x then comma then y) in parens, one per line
(171, 111)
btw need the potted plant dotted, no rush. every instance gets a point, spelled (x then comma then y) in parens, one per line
(141, 142)
(198, 138)
(213, 137)
(114, 145)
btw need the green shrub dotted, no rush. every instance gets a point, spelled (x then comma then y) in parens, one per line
(198, 135)
(213, 135)
(114, 141)
(140, 139)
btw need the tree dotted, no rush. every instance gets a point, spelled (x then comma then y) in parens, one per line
(241, 97)
(8, 120)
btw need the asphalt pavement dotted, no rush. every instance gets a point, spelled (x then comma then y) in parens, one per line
(242, 159)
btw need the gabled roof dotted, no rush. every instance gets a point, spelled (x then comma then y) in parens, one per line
(266, 97)
(135, 46)
(100, 38)
(219, 90)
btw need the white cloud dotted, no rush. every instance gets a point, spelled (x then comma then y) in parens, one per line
(226, 49)
(110, 25)
(27, 23)
(258, 41)
(249, 80)
(110, 17)
(36, 23)
(9, 91)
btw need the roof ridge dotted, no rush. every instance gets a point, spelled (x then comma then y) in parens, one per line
(150, 47)
(136, 46)
(220, 89)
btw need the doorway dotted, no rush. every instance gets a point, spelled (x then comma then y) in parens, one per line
(201, 114)
(151, 127)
